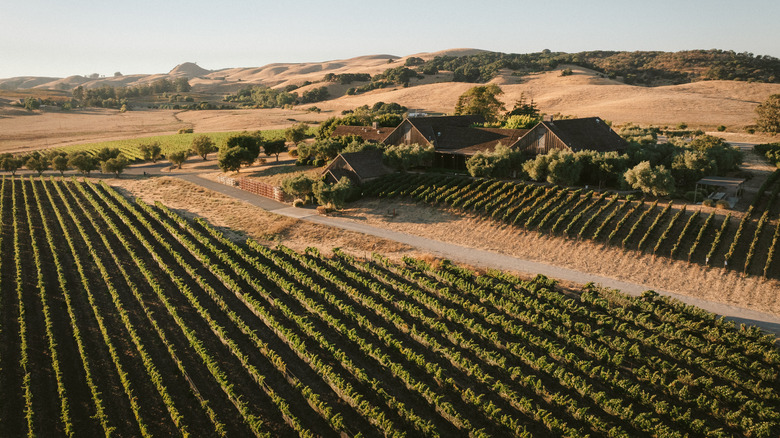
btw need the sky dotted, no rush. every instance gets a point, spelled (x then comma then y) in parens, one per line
(79, 37)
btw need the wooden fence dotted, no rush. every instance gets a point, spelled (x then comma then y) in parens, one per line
(251, 185)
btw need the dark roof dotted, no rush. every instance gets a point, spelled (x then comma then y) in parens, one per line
(368, 133)
(468, 141)
(721, 181)
(456, 134)
(366, 164)
(589, 133)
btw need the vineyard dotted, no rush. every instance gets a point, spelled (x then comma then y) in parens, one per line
(749, 245)
(126, 319)
(168, 143)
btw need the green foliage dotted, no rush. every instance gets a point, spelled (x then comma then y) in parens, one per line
(299, 186)
(37, 162)
(398, 75)
(413, 61)
(347, 78)
(520, 122)
(203, 145)
(314, 95)
(640, 67)
(115, 97)
(770, 150)
(32, 103)
(565, 169)
(60, 163)
(107, 153)
(262, 97)
(151, 151)
(232, 158)
(115, 165)
(10, 163)
(639, 135)
(274, 147)
(769, 114)
(726, 157)
(83, 162)
(249, 142)
(481, 100)
(502, 162)
(296, 132)
(323, 150)
(333, 195)
(405, 157)
(178, 158)
(658, 181)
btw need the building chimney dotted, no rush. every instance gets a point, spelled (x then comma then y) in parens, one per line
(375, 125)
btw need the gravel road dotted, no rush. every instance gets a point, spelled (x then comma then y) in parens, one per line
(481, 258)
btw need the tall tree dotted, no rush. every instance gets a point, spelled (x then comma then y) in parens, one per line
(769, 114)
(203, 145)
(114, 165)
(481, 100)
(296, 133)
(151, 151)
(231, 158)
(9, 163)
(82, 162)
(274, 147)
(178, 158)
(60, 163)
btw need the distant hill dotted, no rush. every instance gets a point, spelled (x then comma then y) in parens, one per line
(705, 87)
(189, 69)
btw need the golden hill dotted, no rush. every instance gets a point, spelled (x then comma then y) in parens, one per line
(705, 104)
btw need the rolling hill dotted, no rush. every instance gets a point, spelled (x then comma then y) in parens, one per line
(587, 91)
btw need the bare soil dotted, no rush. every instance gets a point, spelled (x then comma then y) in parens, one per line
(241, 220)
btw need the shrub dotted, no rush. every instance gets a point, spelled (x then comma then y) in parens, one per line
(708, 203)
(298, 202)
(721, 128)
(186, 131)
(722, 204)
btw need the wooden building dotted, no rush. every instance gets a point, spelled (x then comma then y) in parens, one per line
(454, 138)
(359, 167)
(576, 135)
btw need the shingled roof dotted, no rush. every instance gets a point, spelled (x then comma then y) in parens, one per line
(367, 133)
(590, 133)
(358, 166)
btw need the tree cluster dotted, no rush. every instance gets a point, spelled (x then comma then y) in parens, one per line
(384, 114)
(654, 168)
(405, 157)
(500, 163)
(109, 160)
(107, 96)
(347, 78)
(646, 68)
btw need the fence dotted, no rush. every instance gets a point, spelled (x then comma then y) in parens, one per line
(257, 187)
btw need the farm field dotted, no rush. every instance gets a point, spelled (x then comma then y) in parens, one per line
(747, 243)
(156, 325)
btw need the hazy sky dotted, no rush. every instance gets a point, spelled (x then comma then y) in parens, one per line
(62, 38)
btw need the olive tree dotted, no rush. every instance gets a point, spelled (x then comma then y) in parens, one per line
(656, 180)
(203, 145)
(178, 158)
(769, 114)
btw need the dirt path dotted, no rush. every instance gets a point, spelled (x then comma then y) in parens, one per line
(480, 258)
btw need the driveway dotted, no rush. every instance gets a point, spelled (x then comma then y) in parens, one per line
(470, 256)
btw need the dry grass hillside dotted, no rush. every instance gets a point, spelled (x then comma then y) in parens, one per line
(584, 93)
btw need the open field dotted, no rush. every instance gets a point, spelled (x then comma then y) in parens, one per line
(168, 327)
(31, 131)
(705, 105)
